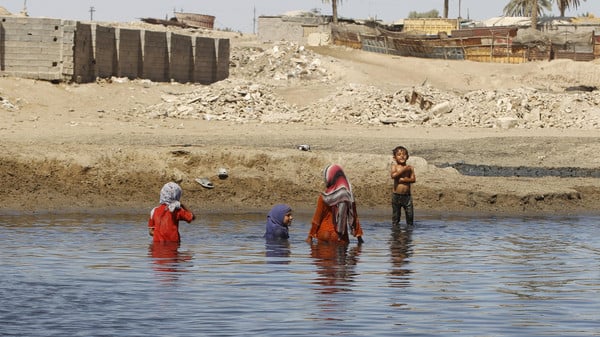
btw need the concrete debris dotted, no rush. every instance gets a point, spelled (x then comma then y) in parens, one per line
(248, 95)
(7, 105)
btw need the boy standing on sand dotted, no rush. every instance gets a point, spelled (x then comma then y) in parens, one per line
(404, 176)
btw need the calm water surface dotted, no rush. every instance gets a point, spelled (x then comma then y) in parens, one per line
(85, 275)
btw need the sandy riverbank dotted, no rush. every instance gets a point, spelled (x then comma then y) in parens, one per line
(88, 147)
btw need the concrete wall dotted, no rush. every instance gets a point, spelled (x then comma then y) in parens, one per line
(83, 55)
(182, 58)
(129, 49)
(206, 56)
(277, 28)
(40, 49)
(273, 29)
(223, 50)
(106, 60)
(155, 65)
(61, 50)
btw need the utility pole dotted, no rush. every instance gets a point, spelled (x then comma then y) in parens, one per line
(254, 21)
(92, 10)
(24, 11)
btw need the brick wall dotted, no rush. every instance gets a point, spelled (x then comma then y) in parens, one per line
(299, 30)
(181, 58)
(105, 57)
(83, 55)
(35, 48)
(206, 60)
(64, 50)
(129, 49)
(222, 59)
(155, 58)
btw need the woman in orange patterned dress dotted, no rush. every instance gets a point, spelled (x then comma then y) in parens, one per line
(335, 217)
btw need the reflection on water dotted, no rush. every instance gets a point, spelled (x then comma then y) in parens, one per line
(459, 276)
(400, 250)
(168, 261)
(336, 266)
(278, 251)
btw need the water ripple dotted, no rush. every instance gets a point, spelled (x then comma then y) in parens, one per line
(81, 276)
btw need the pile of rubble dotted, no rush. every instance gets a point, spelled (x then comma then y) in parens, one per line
(255, 73)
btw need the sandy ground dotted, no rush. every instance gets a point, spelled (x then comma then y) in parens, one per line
(84, 148)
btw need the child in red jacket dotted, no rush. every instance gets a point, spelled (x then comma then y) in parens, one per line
(163, 224)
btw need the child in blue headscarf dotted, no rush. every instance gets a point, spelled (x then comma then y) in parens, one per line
(278, 222)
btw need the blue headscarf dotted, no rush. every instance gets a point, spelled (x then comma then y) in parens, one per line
(276, 230)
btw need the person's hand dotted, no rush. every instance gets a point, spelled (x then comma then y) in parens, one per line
(151, 231)
(309, 239)
(360, 239)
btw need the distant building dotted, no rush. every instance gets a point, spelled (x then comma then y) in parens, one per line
(300, 27)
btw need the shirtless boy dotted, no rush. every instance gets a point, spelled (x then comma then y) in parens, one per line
(403, 176)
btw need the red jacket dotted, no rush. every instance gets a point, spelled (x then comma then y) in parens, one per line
(166, 224)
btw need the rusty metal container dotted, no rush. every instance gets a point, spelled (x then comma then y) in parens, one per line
(196, 20)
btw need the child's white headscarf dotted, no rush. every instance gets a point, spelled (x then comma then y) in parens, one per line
(170, 195)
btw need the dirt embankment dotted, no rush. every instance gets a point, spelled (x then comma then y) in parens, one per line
(93, 147)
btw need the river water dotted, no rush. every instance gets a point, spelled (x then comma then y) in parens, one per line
(99, 275)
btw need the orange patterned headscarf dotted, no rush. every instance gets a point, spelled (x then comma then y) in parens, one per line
(338, 195)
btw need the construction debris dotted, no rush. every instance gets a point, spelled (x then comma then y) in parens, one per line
(239, 100)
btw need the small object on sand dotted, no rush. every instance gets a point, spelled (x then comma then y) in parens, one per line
(180, 153)
(587, 88)
(304, 147)
(204, 182)
(223, 173)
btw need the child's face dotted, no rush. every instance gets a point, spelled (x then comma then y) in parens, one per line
(401, 157)
(287, 218)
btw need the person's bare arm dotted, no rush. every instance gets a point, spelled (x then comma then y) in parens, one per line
(399, 170)
(410, 178)
(396, 171)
